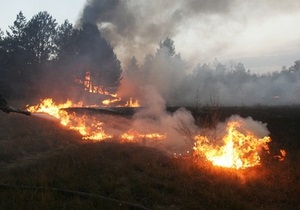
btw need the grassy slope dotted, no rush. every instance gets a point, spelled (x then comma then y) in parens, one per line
(35, 152)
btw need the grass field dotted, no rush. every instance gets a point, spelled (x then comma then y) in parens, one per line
(44, 166)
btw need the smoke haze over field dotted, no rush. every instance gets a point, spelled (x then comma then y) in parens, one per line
(202, 30)
(182, 48)
(263, 35)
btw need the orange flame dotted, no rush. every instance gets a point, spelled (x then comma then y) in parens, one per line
(132, 103)
(238, 151)
(133, 136)
(129, 103)
(90, 86)
(89, 128)
(109, 102)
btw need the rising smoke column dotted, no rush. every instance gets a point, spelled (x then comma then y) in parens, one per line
(135, 27)
(202, 29)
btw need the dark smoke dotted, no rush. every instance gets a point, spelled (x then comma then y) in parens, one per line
(134, 27)
(98, 11)
(137, 26)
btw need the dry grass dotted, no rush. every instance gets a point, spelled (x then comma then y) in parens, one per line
(35, 152)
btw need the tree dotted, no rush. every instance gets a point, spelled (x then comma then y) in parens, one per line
(28, 47)
(132, 69)
(17, 29)
(147, 66)
(166, 47)
(132, 80)
(14, 41)
(65, 41)
(98, 57)
(40, 33)
(165, 70)
(295, 68)
(14, 57)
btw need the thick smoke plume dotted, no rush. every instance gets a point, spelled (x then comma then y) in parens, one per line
(135, 28)
(202, 29)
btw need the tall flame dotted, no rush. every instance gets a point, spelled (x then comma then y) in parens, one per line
(239, 150)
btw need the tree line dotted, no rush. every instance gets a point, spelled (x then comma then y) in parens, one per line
(40, 58)
(38, 55)
(210, 83)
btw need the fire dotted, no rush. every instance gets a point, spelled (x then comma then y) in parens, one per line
(133, 136)
(48, 106)
(282, 155)
(109, 102)
(90, 86)
(239, 150)
(129, 103)
(89, 128)
(132, 103)
(116, 99)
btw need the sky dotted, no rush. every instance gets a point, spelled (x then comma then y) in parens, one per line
(263, 35)
(59, 9)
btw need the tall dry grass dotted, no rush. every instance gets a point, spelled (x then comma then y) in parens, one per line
(42, 154)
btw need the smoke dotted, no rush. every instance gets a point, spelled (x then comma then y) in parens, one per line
(246, 126)
(203, 29)
(237, 87)
(137, 26)
(213, 84)
(179, 127)
(154, 118)
(95, 11)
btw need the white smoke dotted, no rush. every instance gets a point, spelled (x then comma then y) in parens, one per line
(154, 118)
(247, 125)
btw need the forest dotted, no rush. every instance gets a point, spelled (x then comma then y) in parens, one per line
(41, 58)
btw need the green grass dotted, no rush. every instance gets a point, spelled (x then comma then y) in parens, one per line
(42, 155)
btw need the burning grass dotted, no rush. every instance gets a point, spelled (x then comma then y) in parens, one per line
(243, 142)
(41, 153)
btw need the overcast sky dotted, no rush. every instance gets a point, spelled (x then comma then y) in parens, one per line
(263, 35)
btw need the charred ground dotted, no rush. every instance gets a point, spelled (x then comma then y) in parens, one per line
(44, 156)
